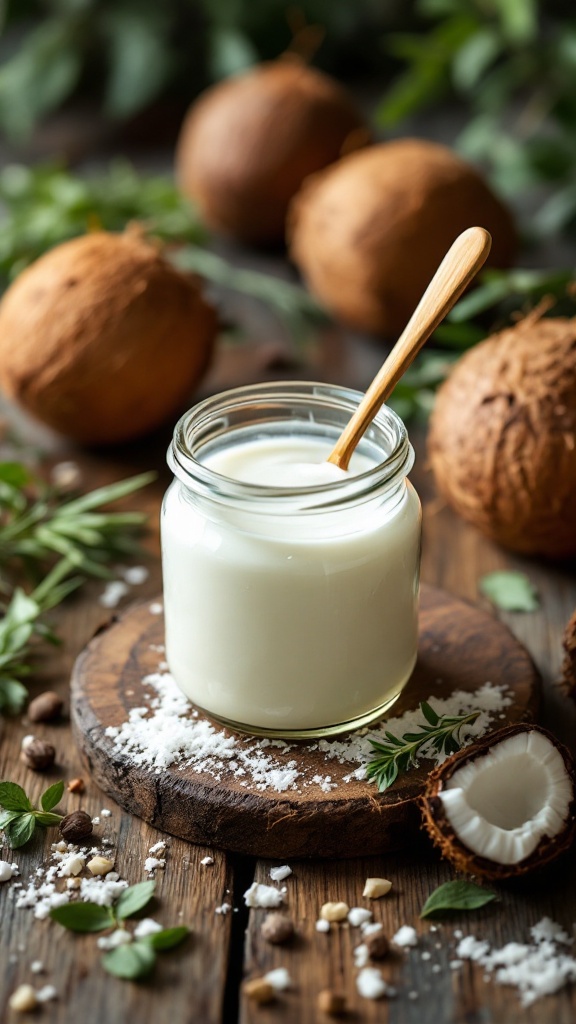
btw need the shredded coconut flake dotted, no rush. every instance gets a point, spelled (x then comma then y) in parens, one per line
(259, 895)
(322, 925)
(113, 593)
(279, 978)
(371, 984)
(358, 916)
(405, 936)
(537, 969)
(147, 926)
(280, 873)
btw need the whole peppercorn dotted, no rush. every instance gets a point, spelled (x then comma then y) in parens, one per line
(378, 945)
(277, 928)
(76, 826)
(37, 754)
(45, 707)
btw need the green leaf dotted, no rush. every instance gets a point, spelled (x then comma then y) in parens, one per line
(14, 473)
(7, 817)
(429, 713)
(168, 937)
(131, 961)
(510, 590)
(475, 57)
(83, 917)
(47, 819)
(13, 696)
(21, 830)
(13, 797)
(52, 796)
(456, 896)
(139, 60)
(134, 898)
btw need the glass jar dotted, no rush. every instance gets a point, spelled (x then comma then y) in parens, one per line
(290, 612)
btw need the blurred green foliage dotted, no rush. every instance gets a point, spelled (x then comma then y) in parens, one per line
(126, 53)
(512, 63)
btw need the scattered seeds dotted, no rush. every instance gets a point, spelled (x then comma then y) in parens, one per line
(277, 928)
(376, 887)
(332, 1003)
(100, 865)
(37, 754)
(334, 912)
(45, 707)
(259, 990)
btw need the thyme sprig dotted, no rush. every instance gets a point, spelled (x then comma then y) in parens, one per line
(442, 733)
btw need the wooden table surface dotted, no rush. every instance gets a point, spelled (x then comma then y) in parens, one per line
(201, 981)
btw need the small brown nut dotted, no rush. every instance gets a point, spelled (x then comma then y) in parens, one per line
(333, 1003)
(277, 928)
(378, 945)
(100, 865)
(37, 754)
(376, 887)
(76, 826)
(334, 911)
(23, 999)
(76, 786)
(259, 990)
(45, 707)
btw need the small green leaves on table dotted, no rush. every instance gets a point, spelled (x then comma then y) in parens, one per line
(510, 591)
(19, 817)
(458, 895)
(135, 958)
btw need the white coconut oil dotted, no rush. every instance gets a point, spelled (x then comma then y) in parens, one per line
(290, 586)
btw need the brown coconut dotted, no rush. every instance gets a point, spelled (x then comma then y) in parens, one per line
(368, 233)
(247, 144)
(454, 849)
(102, 339)
(569, 663)
(502, 440)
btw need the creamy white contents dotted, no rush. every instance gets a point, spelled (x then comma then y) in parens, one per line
(296, 621)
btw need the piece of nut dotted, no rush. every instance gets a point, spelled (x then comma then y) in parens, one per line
(376, 887)
(333, 1003)
(45, 707)
(37, 754)
(377, 944)
(76, 786)
(259, 990)
(23, 999)
(334, 911)
(100, 865)
(277, 928)
(76, 826)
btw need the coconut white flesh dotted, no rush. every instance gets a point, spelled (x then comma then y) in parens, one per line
(503, 803)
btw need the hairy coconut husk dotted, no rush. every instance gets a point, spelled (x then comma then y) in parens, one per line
(248, 143)
(569, 663)
(368, 233)
(442, 833)
(502, 440)
(102, 339)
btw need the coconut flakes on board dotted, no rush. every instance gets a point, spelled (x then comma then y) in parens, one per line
(166, 730)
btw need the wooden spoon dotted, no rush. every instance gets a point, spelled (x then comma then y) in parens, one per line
(459, 266)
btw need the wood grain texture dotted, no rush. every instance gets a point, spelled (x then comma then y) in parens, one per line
(460, 647)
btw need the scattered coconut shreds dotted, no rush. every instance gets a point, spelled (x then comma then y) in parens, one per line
(322, 926)
(7, 870)
(118, 938)
(166, 730)
(371, 984)
(359, 916)
(135, 575)
(147, 926)
(279, 978)
(66, 862)
(280, 873)
(45, 994)
(536, 969)
(259, 895)
(156, 608)
(223, 909)
(405, 936)
(207, 861)
(113, 593)
(361, 955)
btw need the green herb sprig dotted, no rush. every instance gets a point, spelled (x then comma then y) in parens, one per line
(136, 958)
(20, 818)
(511, 591)
(443, 734)
(60, 542)
(457, 895)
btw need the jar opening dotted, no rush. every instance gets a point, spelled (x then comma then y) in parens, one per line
(306, 409)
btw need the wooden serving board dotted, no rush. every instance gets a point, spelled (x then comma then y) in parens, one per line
(461, 647)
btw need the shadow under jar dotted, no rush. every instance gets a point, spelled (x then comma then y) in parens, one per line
(291, 611)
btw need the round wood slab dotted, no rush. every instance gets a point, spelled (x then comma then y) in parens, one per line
(461, 648)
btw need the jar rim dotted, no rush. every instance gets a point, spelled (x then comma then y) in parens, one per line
(192, 432)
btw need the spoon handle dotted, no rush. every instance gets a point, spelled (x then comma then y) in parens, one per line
(459, 266)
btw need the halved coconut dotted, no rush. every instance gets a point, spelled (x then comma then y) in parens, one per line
(505, 805)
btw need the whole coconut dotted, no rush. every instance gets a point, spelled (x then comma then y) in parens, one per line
(248, 143)
(102, 339)
(369, 232)
(502, 439)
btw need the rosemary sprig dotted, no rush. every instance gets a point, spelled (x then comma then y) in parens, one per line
(58, 544)
(443, 733)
